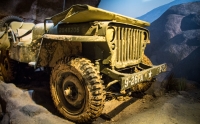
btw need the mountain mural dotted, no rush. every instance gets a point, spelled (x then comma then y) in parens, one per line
(175, 40)
(157, 12)
(37, 10)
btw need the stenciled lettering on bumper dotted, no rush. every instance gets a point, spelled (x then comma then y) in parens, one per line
(131, 80)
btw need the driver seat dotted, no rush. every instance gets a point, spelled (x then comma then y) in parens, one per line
(22, 31)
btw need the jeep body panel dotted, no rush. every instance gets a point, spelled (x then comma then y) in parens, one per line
(109, 40)
(52, 51)
(26, 50)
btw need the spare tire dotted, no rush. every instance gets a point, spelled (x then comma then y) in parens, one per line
(8, 19)
(4, 35)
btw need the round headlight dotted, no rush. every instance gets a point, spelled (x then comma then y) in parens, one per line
(110, 34)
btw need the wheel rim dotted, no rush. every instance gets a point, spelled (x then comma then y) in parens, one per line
(72, 93)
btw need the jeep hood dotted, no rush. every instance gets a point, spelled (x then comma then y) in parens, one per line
(85, 13)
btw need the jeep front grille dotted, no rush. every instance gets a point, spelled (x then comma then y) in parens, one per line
(129, 45)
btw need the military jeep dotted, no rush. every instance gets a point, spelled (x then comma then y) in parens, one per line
(92, 54)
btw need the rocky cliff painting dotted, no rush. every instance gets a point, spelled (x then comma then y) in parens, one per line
(175, 39)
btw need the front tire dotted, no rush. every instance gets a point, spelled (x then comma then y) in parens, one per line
(77, 90)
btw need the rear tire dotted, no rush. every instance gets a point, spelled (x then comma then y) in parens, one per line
(77, 90)
(8, 67)
(13, 71)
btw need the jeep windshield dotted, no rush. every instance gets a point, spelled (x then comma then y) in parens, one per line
(76, 13)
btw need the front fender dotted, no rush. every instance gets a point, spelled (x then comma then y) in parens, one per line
(53, 50)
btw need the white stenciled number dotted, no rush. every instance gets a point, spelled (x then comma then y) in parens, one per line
(61, 30)
(136, 79)
(150, 74)
(126, 83)
(141, 78)
(132, 80)
(77, 29)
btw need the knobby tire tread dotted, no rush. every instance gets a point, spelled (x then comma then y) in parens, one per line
(93, 83)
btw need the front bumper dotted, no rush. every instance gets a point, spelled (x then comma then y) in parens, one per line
(129, 80)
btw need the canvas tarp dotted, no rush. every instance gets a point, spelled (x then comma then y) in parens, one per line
(84, 13)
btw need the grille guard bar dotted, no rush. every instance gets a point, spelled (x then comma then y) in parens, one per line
(129, 80)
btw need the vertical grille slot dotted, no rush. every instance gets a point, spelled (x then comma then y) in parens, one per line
(129, 44)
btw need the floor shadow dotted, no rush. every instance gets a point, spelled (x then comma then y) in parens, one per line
(39, 89)
(121, 107)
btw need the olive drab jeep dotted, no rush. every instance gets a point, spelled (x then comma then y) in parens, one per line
(92, 55)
